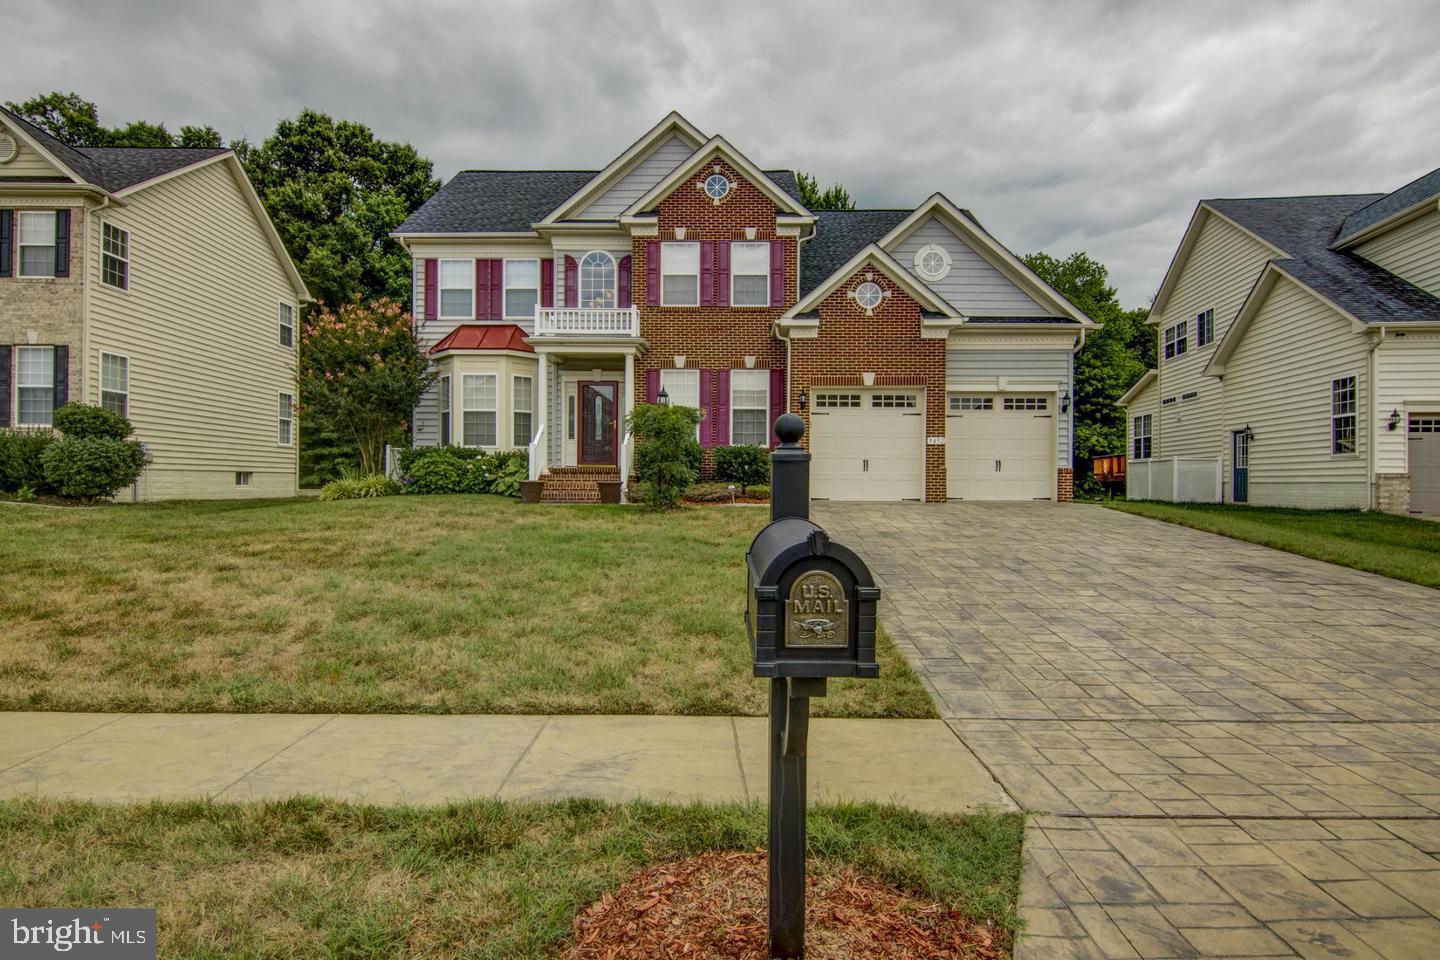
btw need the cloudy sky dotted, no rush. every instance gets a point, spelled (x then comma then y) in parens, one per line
(1063, 126)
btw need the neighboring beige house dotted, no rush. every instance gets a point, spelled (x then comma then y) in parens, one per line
(151, 282)
(1299, 356)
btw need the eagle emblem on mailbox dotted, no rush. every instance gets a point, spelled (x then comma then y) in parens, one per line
(818, 611)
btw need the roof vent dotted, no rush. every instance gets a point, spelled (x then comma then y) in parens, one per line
(9, 148)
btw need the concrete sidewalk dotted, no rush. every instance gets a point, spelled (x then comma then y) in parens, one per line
(919, 764)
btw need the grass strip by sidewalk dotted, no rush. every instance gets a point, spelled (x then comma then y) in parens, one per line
(1400, 547)
(455, 604)
(486, 879)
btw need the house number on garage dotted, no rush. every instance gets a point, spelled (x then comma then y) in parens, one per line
(935, 441)
(819, 612)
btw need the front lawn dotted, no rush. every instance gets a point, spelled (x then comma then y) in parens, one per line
(311, 878)
(1399, 547)
(403, 605)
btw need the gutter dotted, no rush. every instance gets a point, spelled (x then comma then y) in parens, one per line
(1372, 433)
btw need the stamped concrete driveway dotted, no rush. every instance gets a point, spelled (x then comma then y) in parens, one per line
(1236, 750)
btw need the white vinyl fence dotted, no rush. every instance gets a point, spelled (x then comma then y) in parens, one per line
(1177, 479)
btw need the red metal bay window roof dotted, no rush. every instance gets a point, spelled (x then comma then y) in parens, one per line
(475, 336)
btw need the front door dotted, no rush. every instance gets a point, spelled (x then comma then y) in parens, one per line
(599, 401)
(1239, 467)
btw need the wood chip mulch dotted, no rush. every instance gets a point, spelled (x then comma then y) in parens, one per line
(715, 906)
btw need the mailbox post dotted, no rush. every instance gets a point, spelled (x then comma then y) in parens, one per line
(810, 615)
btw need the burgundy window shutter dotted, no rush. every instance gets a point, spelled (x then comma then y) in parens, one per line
(62, 376)
(720, 409)
(625, 295)
(497, 289)
(432, 289)
(707, 273)
(707, 408)
(5, 361)
(547, 283)
(7, 250)
(482, 289)
(777, 273)
(777, 400)
(652, 273)
(722, 274)
(652, 386)
(572, 282)
(62, 243)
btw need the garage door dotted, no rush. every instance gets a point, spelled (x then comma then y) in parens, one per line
(1000, 446)
(1425, 463)
(867, 446)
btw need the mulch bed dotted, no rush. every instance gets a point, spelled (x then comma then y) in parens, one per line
(715, 906)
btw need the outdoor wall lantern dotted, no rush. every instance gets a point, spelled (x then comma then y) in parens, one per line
(1249, 434)
(1394, 420)
(1065, 402)
(804, 398)
(664, 397)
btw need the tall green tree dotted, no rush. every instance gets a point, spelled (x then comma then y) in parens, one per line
(1114, 357)
(833, 197)
(336, 192)
(73, 120)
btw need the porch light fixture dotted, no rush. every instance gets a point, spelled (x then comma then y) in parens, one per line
(664, 397)
(1249, 434)
(1394, 420)
(1065, 402)
(804, 398)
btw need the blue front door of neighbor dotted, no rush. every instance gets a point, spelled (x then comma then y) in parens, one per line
(1240, 466)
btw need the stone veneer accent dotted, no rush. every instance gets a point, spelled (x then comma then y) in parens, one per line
(1392, 493)
(53, 308)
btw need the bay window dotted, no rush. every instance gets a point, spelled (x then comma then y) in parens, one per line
(522, 407)
(445, 411)
(750, 407)
(680, 274)
(479, 418)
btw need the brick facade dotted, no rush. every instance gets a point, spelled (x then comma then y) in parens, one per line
(889, 345)
(1065, 485)
(50, 311)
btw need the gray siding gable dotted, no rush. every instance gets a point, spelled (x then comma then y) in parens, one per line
(638, 180)
(974, 285)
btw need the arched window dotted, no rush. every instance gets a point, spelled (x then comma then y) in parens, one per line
(597, 280)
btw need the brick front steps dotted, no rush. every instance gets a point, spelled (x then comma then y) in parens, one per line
(576, 484)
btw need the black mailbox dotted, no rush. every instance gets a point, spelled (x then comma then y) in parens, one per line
(811, 604)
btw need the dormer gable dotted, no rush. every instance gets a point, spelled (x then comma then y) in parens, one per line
(644, 163)
(717, 150)
(21, 159)
(938, 316)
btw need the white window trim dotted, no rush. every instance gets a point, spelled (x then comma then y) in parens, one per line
(735, 274)
(288, 420)
(1135, 434)
(445, 418)
(20, 247)
(294, 326)
(674, 372)
(765, 409)
(129, 256)
(515, 409)
(614, 275)
(440, 289)
(1172, 337)
(505, 288)
(699, 269)
(100, 376)
(468, 409)
(1199, 321)
(1355, 416)
(16, 387)
(945, 258)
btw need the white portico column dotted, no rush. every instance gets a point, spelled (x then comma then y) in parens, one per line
(628, 451)
(540, 459)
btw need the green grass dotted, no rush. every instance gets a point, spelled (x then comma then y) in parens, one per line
(1399, 547)
(400, 605)
(311, 878)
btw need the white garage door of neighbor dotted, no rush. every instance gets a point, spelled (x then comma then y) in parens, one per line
(867, 446)
(1425, 463)
(1000, 446)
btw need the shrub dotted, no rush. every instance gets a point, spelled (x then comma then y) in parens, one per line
(360, 488)
(81, 421)
(509, 467)
(20, 464)
(463, 470)
(89, 468)
(711, 493)
(745, 464)
(666, 454)
(759, 491)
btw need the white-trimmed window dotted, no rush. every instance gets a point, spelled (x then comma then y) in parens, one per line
(750, 407)
(1343, 407)
(750, 274)
(682, 389)
(285, 420)
(115, 383)
(243, 477)
(680, 274)
(457, 288)
(445, 411)
(479, 419)
(522, 409)
(522, 288)
(1140, 438)
(597, 280)
(1204, 327)
(37, 242)
(287, 324)
(1177, 339)
(34, 386)
(114, 256)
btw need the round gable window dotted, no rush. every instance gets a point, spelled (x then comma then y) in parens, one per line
(932, 261)
(9, 148)
(717, 186)
(869, 294)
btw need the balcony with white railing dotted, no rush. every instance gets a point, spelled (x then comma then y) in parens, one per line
(587, 322)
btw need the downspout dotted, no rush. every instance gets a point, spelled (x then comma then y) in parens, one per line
(1372, 435)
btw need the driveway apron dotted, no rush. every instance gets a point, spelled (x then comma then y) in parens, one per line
(1233, 751)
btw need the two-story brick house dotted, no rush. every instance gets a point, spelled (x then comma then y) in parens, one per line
(151, 282)
(927, 360)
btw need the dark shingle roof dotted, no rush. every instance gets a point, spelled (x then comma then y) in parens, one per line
(113, 168)
(1416, 191)
(1304, 227)
(839, 235)
(509, 201)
